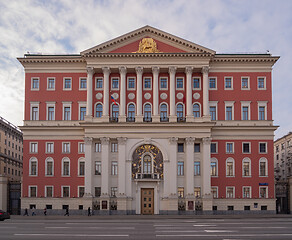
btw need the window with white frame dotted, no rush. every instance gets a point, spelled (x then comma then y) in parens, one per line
(212, 83)
(35, 84)
(82, 83)
(33, 167)
(97, 147)
(214, 148)
(197, 147)
(81, 167)
(246, 192)
(114, 191)
(115, 83)
(50, 83)
(245, 83)
(197, 168)
(131, 83)
(67, 111)
(32, 191)
(245, 110)
(214, 191)
(81, 148)
(230, 192)
(97, 167)
(114, 168)
(196, 110)
(147, 83)
(197, 192)
(66, 147)
(230, 167)
(180, 168)
(179, 83)
(49, 191)
(229, 147)
(261, 83)
(34, 111)
(49, 147)
(262, 147)
(81, 191)
(196, 83)
(97, 191)
(263, 192)
(131, 113)
(263, 167)
(82, 113)
(49, 167)
(229, 110)
(246, 167)
(214, 167)
(65, 167)
(98, 110)
(246, 147)
(228, 83)
(114, 147)
(67, 84)
(50, 111)
(147, 112)
(180, 192)
(98, 83)
(65, 191)
(163, 83)
(262, 110)
(33, 147)
(213, 110)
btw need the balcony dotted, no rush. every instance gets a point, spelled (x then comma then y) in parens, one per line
(130, 119)
(181, 119)
(147, 119)
(114, 119)
(147, 176)
(164, 119)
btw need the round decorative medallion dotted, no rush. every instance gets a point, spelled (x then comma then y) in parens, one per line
(196, 95)
(163, 96)
(115, 96)
(131, 96)
(147, 96)
(180, 96)
(98, 96)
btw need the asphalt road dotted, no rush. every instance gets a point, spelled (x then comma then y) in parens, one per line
(138, 227)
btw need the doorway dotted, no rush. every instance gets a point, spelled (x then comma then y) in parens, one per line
(147, 201)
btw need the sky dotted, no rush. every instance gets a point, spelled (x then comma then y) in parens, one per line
(71, 26)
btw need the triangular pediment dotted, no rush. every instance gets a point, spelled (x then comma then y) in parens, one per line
(147, 40)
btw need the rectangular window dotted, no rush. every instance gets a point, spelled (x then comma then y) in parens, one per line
(213, 169)
(263, 192)
(66, 147)
(228, 83)
(263, 172)
(196, 83)
(115, 83)
(197, 170)
(246, 168)
(83, 83)
(214, 191)
(179, 83)
(180, 147)
(35, 113)
(261, 83)
(97, 191)
(262, 113)
(65, 191)
(97, 167)
(180, 168)
(51, 84)
(246, 192)
(81, 191)
(32, 191)
(246, 147)
(147, 83)
(244, 83)
(229, 192)
(81, 168)
(114, 191)
(213, 147)
(180, 192)
(245, 113)
(49, 168)
(228, 113)
(51, 113)
(212, 83)
(49, 191)
(98, 83)
(67, 113)
(229, 169)
(263, 148)
(114, 168)
(67, 84)
(163, 83)
(131, 83)
(229, 147)
(81, 148)
(49, 147)
(66, 168)
(197, 147)
(35, 84)
(33, 147)
(197, 192)
(98, 147)
(213, 113)
(114, 147)
(82, 113)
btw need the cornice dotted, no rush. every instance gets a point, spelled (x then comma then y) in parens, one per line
(245, 58)
(145, 55)
(51, 59)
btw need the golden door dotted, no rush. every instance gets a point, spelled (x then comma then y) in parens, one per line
(147, 201)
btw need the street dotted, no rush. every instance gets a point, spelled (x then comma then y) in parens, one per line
(147, 227)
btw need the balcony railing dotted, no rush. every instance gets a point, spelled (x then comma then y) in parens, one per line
(147, 176)
(181, 119)
(114, 119)
(147, 119)
(164, 119)
(130, 119)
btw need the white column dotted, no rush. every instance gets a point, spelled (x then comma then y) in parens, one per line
(123, 71)
(106, 73)
(88, 167)
(90, 72)
(172, 114)
(172, 174)
(189, 97)
(189, 166)
(122, 166)
(104, 167)
(205, 71)
(156, 117)
(206, 173)
(139, 71)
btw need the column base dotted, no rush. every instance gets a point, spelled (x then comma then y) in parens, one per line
(207, 202)
(206, 118)
(139, 118)
(88, 118)
(122, 118)
(173, 118)
(156, 118)
(105, 118)
(190, 119)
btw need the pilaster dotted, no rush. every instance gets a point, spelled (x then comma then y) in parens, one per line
(189, 97)
(206, 174)
(139, 72)
(90, 72)
(105, 110)
(122, 166)
(172, 113)
(88, 167)
(205, 71)
(122, 117)
(155, 71)
(189, 192)
(105, 167)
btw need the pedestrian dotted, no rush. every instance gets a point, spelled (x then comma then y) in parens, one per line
(89, 211)
(45, 211)
(25, 212)
(33, 212)
(67, 212)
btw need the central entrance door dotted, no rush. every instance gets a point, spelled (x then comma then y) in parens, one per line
(147, 201)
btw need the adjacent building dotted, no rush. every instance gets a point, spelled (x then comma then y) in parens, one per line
(11, 159)
(148, 123)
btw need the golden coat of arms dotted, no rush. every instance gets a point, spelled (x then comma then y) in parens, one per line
(147, 45)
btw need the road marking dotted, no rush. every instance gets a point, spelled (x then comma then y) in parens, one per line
(218, 231)
(190, 221)
(229, 235)
(262, 227)
(120, 228)
(204, 225)
(58, 227)
(68, 235)
(178, 231)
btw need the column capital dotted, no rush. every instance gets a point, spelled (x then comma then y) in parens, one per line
(88, 140)
(122, 140)
(155, 70)
(90, 70)
(207, 140)
(172, 69)
(104, 140)
(106, 70)
(189, 70)
(190, 140)
(123, 70)
(205, 69)
(173, 140)
(139, 70)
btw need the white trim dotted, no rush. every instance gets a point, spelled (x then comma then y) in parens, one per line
(266, 143)
(33, 149)
(214, 104)
(33, 159)
(81, 159)
(248, 83)
(265, 83)
(32, 105)
(63, 147)
(167, 111)
(215, 160)
(49, 159)
(65, 105)
(263, 159)
(163, 89)
(245, 104)
(67, 89)
(128, 108)
(147, 89)
(31, 86)
(250, 192)
(47, 147)
(65, 159)
(51, 78)
(46, 195)
(80, 148)
(225, 83)
(249, 148)
(111, 108)
(62, 191)
(151, 108)
(200, 108)
(263, 104)
(229, 104)
(78, 193)
(200, 83)
(131, 89)
(217, 193)
(183, 108)
(82, 89)
(94, 113)
(246, 159)
(50, 105)
(96, 83)
(36, 190)
(179, 89)
(118, 88)
(267, 191)
(215, 83)
(233, 191)
(216, 143)
(232, 148)
(230, 159)
(81, 105)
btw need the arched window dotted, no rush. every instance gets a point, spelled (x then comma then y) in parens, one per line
(115, 112)
(49, 167)
(147, 113)
(65, 167)
(230, 167)
(98, 110)
(196, 110)
(131, 113)
(147, 168)
(163, 113)
(180, 112)
(33, 167)
(263, 167)
(246, 165)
